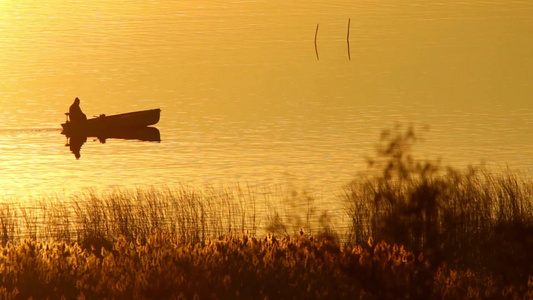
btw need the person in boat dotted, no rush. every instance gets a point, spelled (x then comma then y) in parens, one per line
(75, 113)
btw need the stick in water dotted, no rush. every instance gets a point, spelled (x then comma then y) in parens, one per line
(316, 48)
(348, 39)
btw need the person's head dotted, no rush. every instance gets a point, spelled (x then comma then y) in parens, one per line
(77, 100)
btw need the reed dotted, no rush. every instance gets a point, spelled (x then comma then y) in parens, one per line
(473, 219)
(237, 266)
(194, 214)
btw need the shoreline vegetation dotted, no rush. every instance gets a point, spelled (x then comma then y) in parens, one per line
(416, 230)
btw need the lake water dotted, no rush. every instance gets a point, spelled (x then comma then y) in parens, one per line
(246, 99)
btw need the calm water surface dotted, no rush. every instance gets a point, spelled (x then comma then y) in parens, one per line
(244, 98)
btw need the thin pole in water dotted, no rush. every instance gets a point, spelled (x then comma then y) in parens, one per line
(316, 48)
(348, 39)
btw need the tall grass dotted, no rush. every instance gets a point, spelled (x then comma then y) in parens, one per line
(237, 266)
(193, 214)
(189, 213)
(468, 219)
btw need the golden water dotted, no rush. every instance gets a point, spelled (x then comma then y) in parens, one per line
(246, 99)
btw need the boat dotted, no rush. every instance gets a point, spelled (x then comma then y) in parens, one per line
(137, 119)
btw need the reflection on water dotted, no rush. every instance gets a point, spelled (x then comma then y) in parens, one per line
(75, 144)
(76, 139)
(244, 96)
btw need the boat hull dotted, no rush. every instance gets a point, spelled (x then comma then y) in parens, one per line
(136, 119)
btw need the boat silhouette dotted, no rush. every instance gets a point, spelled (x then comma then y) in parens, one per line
(127, 126)
(137, 119)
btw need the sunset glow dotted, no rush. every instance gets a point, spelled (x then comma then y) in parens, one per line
(306, 149)
(252, 65)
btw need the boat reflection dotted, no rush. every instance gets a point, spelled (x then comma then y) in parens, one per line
(76, 139)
